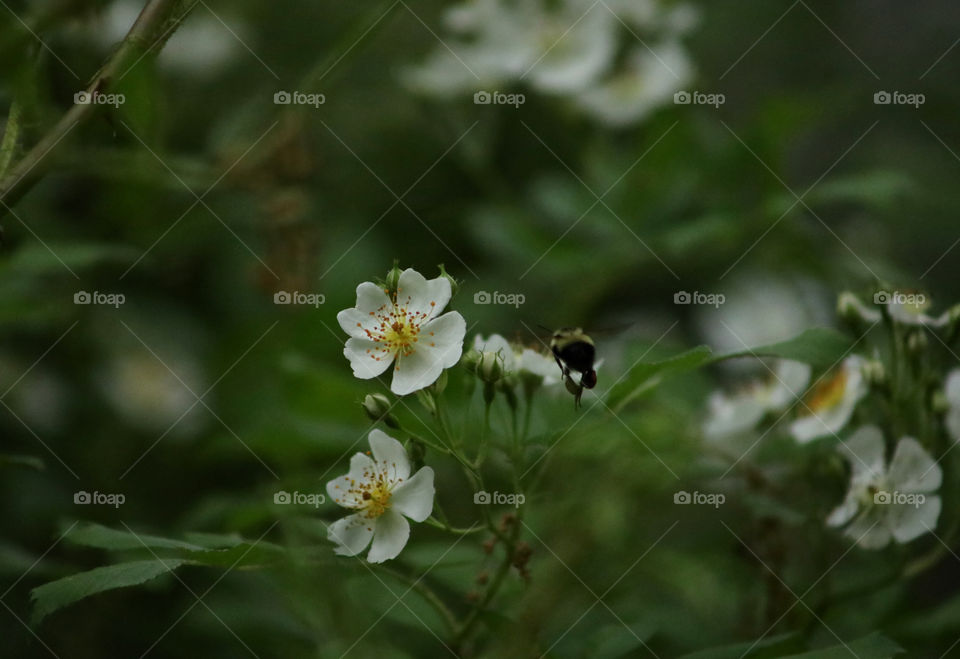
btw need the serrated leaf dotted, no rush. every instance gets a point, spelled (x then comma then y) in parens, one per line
(646, 375)
(58, 594)
(102, 537)
(873, 646)
(818, 346)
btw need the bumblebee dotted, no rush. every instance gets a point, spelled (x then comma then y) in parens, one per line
(574, 351)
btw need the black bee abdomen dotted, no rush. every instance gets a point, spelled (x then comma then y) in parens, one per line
(589, 379)
(578, 355)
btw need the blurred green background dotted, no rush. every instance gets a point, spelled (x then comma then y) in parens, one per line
(302, 198)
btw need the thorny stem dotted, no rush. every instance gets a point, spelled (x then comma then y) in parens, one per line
(156, 22)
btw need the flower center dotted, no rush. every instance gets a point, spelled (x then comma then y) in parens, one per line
(374, 493)
(396, 327)
(829, 393)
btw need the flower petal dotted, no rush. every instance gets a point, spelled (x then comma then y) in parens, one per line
(912, 469)
(351, 534)
(392, 533)
(864, 450)
(371, 301)
(389, 455)
(414, 497)
(367, 358)
(869, 530)
(732, 415)
(419, 295)
(790, 383)
(908, 522)
(439, 347)
(845, 511)
(339, 488)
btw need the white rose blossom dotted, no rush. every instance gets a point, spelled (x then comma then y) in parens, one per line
(383, 494)
(886, 502)
(952, 391)
(408, 332)
(831, 403)
(732, 414)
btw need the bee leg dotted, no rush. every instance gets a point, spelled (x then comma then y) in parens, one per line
(564, 371)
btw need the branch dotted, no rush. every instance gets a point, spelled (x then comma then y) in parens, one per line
(156, 22)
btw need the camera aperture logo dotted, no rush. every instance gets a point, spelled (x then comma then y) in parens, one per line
(699, 98)
(484, 498)
(106, 299)
(715, 499)
(299, 98)
(498, 98)
(98, 98)
(696, 297)
(296, 297)
(897, 498)
(83, 498)
(513, 299)
(916, 300)
(899, 98)
(284, 498)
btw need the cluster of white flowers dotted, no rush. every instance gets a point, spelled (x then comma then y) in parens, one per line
(403, 325)
(615, 60)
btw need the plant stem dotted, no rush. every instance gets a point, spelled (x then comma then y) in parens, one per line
(157, 21)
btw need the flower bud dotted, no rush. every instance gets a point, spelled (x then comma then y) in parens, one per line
(392, 281)
(377, 407)
(454, 284)
(874, 372)
(490, 367)
(917, 342)
(851, 309)
(939, 402)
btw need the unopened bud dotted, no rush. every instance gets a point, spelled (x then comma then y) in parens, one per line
(377, 407)
(392, 281)
(490, 367)
(454, 284)
(874, 372)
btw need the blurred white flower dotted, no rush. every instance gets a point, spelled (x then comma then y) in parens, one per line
(850, 306)
(152, 394)
(383, 494)
(732, 414)
(759, 309)
(832, 401)
(952, 391)
(647, 81)
(885, 502)
(909, 309)
(567, 48)
(407, 331)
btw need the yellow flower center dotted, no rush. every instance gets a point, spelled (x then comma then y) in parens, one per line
(829, 393)
(396, 328)
(373, 492)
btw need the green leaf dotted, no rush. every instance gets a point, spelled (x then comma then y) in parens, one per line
(208, 549)
(646, 375)
(21, 461)
(58, 594)
(818, 346)
(772, 646)
(873, 646)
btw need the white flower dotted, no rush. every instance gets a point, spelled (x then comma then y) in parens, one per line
(383, 493)
(952, 390)
(885, 502)
(407, 330)
(646, 82)
(831, 404)
(731, 414)
(909, 308)
(517, 359)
